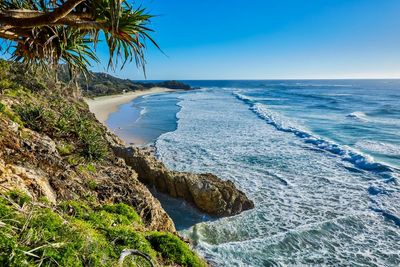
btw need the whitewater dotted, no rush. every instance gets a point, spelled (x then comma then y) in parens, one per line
(320, 159)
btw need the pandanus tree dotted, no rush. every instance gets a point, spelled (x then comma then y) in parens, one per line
(47, 33)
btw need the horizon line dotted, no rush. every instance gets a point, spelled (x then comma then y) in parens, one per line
(266, 79)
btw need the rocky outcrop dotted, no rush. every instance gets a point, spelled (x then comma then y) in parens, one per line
(30, 162)
(206, 191)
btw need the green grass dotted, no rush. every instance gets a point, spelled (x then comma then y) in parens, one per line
(65, 149)
(62, 123)
(43, 108)
(10, 114)
(34, 117)
(75, 233)
(174, 250)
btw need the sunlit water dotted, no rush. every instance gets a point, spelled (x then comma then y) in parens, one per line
(320, 159)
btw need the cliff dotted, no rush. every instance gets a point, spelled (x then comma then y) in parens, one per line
(56, 154)
(205, 191)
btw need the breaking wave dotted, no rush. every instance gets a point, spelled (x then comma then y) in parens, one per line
(358, 159)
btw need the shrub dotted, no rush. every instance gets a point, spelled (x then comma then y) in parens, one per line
(9, 114)
(67, 119)
(65, 149)
(77, 234)
(123, 209)
(68, 122)
(34, 117)
(174, 250)
(94, 146)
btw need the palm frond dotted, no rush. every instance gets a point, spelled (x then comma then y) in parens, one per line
(124, 27)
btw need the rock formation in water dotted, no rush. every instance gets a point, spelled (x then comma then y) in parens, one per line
(206, 191)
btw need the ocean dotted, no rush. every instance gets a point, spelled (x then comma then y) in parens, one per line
(320, 159)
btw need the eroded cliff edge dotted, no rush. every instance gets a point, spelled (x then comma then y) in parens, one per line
(206, 191)
(39, 165)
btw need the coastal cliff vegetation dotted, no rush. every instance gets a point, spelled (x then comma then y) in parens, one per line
(74, 233)
(96, 84)
(65, 199)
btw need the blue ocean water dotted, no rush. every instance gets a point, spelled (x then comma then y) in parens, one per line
(145, 119)
(320, 159)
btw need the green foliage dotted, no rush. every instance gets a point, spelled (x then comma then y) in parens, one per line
(124, 236)
(123, 28)
(174, 249)
(75, 208)
(75, 160)
(88, 168)
(80, 234)
(10, 114)
(34, 117)
(62, 121)
(65, 149)
(123, 209)
(66, 119)
(4, 69)
(19, 197)
(100, 84)
(93, 145)
(92, 184)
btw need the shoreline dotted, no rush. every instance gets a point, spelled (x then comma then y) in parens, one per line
(102, 107)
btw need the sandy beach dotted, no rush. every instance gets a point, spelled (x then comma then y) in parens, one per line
(103, 106)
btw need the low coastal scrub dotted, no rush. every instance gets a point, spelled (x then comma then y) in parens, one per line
(173, 249)
(100, 84)
(47, 132)
(75, 233)
(48, 111)
(60, 122)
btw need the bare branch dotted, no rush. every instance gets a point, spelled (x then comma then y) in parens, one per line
(42, 20)
(127, 252)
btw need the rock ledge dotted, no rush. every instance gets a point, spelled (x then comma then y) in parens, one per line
(206, 191)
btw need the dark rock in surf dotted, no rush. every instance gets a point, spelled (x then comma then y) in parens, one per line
(206, 191)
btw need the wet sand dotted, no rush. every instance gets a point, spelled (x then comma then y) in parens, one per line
(103, 106)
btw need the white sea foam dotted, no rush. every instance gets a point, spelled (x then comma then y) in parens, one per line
(311, 207)
(360, 160)
(143, 111)
(358, 115)
(379, 147)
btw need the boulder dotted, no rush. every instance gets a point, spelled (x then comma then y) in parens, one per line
(206, 191)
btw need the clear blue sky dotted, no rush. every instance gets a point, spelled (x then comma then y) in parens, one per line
(263, 39)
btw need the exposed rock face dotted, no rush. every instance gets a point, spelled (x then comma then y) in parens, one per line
(206, 191)
(30, 161)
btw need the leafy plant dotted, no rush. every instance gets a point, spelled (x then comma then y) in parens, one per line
(54, 32)
(65, 149)
(75, 233)
(35, 117)
(174, 249)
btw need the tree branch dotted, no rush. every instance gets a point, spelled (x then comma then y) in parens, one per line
(41, 20)
(8, 35)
